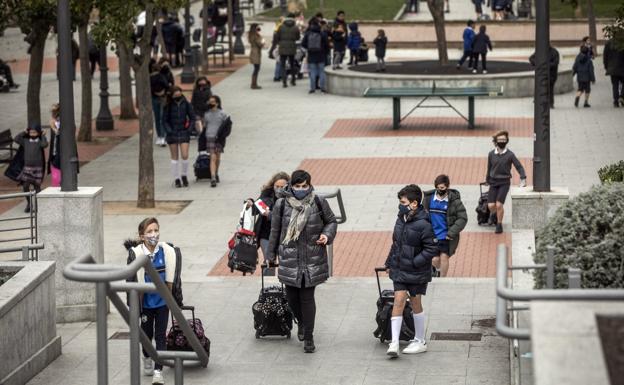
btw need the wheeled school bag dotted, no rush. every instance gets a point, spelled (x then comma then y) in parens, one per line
(483, 211)
(272, 315)
(202, 166)
(243, 255)
(176, 339)
(384, 314)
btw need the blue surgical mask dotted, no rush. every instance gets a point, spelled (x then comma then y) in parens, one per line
(404, 209)
(300, 194)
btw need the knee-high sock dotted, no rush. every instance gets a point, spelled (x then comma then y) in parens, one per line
(396, 323)
(185, 164)
(175, 171)
(419, 326)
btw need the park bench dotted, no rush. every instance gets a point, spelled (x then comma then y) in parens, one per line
(429, 92)
(217, 48)
(6, 144)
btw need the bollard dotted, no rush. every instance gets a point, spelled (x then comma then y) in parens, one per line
(574, 278)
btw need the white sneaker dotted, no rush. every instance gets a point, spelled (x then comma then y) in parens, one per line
(158, 378)
(393, 349)
(474, 71)
(416, 346)
(484, 71)
(148, 366)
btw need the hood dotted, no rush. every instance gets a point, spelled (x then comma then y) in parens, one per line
(130, 243)
(419, 214)
(583, 58)
(353, 27)
(289, 22)
(452, 194)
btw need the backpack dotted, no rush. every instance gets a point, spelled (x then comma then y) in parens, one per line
(314, 42)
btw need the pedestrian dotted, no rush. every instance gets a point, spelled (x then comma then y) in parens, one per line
(317, 46)
(553, 66)
(165, 69)
(287, 37)
(613, 58)
(412, 6)
(158, 88)
(302, 225)
(380, 42)
(448, 218)
(498, 9)
(277, 75)
(178, 121)
(54, 159)
(179, 42)
(5, 71)
(170, 36)
(587, 43)
(255, 56)
(94, 53)
(154, 310)
(216, 128)
(498, 177)
(354, 42)
(447, 7)
(409, 265)
(340, 20)
(584, 70)
(199, 100)
(33, 141)
(479, 8)
(468, 37)
(340, 45)
(480, 45)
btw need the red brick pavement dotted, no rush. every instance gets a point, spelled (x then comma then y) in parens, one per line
(429, 126)
(375, 171)
(49, 65)
(357, 253)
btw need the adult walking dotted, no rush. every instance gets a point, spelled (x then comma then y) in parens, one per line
(201, 94)
(178, 119)
(553, 67)
(448, 218)
(409, 261)
(216, 128)
(614, 66)
(317, 46)
(255, 56)
(302, 225)
(286, 39)
(498, 177)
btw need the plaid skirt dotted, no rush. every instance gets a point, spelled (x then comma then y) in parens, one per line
(213, 147)
(31, 174)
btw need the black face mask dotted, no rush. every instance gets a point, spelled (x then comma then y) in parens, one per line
(442, 193)
(211, 106)
(501, 145)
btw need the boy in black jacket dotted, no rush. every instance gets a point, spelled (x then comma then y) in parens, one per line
(480, 45)
(584, 70)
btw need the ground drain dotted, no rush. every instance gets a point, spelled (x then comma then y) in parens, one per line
(120, 336)
(456, 336)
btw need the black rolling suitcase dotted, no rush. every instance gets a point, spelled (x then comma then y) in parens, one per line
(272, 315)
(384, 314)
(202, 166)
(483, 212)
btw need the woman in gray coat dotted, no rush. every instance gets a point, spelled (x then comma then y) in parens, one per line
(301, 226)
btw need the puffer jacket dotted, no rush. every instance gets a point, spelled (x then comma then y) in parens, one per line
(413, 248)
(583, 68)
(178, 118)
(302, 257)
(456, 217)
(199, 100)
(287, 36)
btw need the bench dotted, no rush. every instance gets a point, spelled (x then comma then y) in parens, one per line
(428, 92)
(6, 144)
(215, 48)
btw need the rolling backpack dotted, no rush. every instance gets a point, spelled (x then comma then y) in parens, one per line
(483, 211)
(176, 339)
(385, 302)
(201, 167)
(272, 315)
(243, 255)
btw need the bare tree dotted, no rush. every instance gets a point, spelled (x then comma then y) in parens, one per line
(436, 7)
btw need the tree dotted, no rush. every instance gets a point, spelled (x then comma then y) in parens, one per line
(436, 7)
(591, 19)
(127, 110)
(81, 13)
(615, 31)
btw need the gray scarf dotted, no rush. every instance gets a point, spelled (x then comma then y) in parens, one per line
(299, 217)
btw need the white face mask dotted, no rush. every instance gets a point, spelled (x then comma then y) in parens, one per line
(152, 238)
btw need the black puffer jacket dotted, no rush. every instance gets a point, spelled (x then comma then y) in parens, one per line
(199, 100)
(302, 256)
(287, 36)
(178, 118)
(413, 248)
(613, 59)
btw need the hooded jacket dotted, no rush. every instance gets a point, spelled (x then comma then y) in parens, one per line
(583, 68)
(318, 56)
(178, 117)
(481, 43)
(456, 217)
(287, 36)
(301, 257)
(355, 38)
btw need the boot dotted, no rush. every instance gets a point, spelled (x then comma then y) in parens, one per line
(254, 83)
(576, 101)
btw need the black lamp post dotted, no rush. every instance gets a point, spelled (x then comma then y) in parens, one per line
(69, 158)
(104, 120)
(239, 28)
(188, 75)
(541, 112)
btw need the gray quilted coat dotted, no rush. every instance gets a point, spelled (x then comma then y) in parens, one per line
(303, 256)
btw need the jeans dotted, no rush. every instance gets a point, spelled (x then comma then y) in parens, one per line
(154, 324)
(293, 70)
(338, 55)
(301, 301)
(466, 55)
(317, 70)
(617, 87)
(483, 58)
(278, 70)
(157, 108)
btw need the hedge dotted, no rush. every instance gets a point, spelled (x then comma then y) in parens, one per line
(612, 173)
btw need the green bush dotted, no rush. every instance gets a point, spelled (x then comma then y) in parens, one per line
(587, 233)
(612, 173)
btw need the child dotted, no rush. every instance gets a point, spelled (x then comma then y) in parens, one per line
(33, 141)
(340, 46)
(587, 43)
(381, 41)
(480, 46)
(354, 43)
(468, 38)
(584, 70)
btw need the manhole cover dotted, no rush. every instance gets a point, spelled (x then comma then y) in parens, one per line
(120, 336)
(456, 336)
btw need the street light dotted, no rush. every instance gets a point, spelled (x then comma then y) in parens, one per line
(541, 109)
(188, 75)
(104, 120)
(239, 28)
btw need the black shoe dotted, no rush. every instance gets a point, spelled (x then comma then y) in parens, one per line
(293, 82)
(217, 178)
(576, 101)
(499, 228)
(284, 85)
(184, 181)
(178, 183)
(435, 272)
(213, 183)
(492, 219)
(616, 104)
(276, 80)
(586, 105)
(14, 86)
(311, 91)
(300, 333)
(308, 346)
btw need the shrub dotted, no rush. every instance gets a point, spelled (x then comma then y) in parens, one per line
(587, 232)
(612, 173)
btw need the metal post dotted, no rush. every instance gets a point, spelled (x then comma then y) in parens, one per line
(239, 22)
(396, 113)
(471, 117)
(102, 348)
(25, 253)
(104, 120)
(204, 41)
(330, 259)
(574, 278)
(541, 113)
(550, 267)
(179, 372)
(230, 22)
(133, 322)
(69, 160)
(187, 76)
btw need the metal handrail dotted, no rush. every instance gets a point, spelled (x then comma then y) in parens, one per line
(342, 218)
(31, 196)
(24, 249)
(85, 269)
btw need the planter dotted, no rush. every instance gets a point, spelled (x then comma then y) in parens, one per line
(28, 340)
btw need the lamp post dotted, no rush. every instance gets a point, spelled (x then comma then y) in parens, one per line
(69, 159)
(239, 28)
(541, 112)
(104, 120)
(188, 75)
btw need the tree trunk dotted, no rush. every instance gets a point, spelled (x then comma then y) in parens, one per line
(436, 7)
(125, 82)
(33, 104)
(86, 113)
(578, 11)
(591, 19)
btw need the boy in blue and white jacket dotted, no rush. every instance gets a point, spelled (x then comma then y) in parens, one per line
(354, 42)
(468, 37)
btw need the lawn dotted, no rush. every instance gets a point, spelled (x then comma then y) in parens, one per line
(354, 9)
(602, 8)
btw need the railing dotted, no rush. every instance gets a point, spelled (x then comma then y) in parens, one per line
(22, 223)
(342, 218)
(85, 269)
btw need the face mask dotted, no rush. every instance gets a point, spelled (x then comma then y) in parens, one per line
(404, 209)
(300, 194)
(501, 145)
(211, 105)
(442, 193)
(152, 240)
(278, 190)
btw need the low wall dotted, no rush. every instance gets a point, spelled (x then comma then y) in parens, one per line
(28, 340)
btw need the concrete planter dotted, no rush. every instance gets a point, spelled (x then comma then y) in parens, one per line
(28, 340)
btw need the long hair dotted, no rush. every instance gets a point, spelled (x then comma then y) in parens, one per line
(200, 79)
(280, 175)
(253, 32)
(218, 99)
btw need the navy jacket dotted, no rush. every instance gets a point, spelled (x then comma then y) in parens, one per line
(481, 43)
(583, 69)
(178, 117)
(413, 248)
(380, 46)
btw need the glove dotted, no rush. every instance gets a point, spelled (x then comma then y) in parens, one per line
(522, 182)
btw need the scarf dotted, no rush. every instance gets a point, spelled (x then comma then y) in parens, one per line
(299, 217)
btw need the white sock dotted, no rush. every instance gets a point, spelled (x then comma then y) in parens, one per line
(419, 326)
(185, 164)
(396, 323)
(175, 171)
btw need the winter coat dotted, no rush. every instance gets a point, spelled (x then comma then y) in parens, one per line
(413, 248)
(468, 36)
(456, 217)
(318, 56)
(54, 158)
(302, 257)
(178, 118)
(553, 62)
(583, 68)
(169, 33)
(613, 59)
(355, 38)
(255, 56)
(481, 43)
(340, 43)
(158, 84)
(166, 72)
(33, 151)
(287, 36)
(380, 46)
(199, 100)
